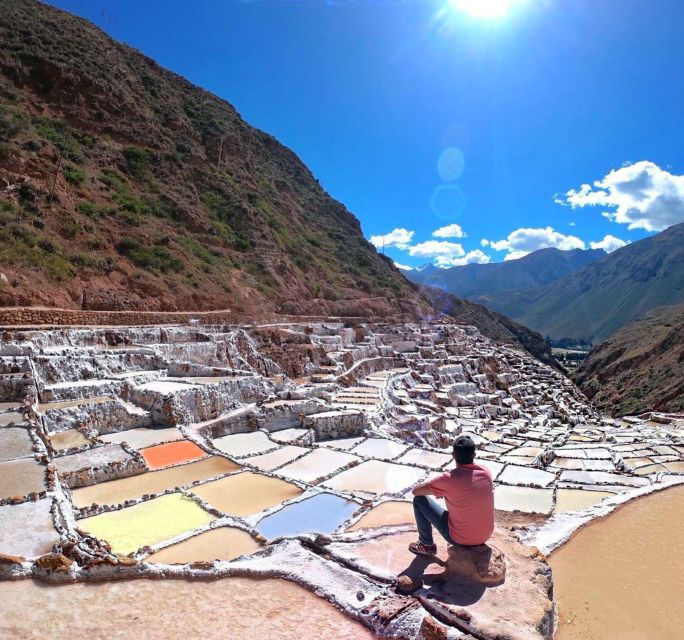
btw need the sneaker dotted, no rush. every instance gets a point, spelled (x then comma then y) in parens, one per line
(421, 549)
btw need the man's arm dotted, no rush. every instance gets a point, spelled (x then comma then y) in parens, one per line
(423, 489)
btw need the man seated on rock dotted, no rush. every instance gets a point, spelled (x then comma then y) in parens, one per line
(469, 495)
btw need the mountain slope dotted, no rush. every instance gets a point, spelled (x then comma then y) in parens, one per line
(640, 367)
(123, 186)
(594, 302)
(484, 283)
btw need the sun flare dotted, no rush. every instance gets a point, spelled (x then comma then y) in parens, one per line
(485, 9)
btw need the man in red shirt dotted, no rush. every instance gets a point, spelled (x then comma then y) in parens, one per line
(469, 495)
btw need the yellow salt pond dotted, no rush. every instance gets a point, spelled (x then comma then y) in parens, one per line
(225, 543)
(147, 523)
(118, 491)
(245, 493)
(235, 608)
(578, 499)
(68, 439)
(623, 576)
(392, 512)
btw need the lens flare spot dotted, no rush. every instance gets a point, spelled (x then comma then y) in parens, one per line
(450, 164)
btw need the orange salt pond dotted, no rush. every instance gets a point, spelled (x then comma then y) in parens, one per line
(246, 493)
(392, 512)
(225, 543)
(117, 491)
(623, 576)
(164, 455)
(235, 608)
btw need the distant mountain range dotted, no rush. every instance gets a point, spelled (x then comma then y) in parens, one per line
(484, 283)
(596, 295)
(640, 367)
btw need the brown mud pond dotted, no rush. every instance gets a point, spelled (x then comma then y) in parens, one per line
(623, 576)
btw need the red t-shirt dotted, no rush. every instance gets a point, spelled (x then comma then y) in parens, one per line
(469, 495)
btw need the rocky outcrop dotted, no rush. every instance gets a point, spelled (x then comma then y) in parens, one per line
(481, 564)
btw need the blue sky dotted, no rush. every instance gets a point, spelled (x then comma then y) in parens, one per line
(452, 138)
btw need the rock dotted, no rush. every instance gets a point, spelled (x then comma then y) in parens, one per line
(482, 564)
(53, 563)
(406, 585)
(430, 629)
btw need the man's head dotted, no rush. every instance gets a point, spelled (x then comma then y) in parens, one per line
(464, 450)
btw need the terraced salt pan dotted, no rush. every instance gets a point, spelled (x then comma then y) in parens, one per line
(526, 476)
(95, 457)
(223, 543)
(277, 458)
(379, 448)
(322, 513)
(71, 404)
(376, 477)
(69, 439)
(524, 499)
(601, 477)
(317, 464)
(578, 499)
(247, 607)
(431, 459)
(21, 477)
(15, 442)
(392, 512)
(288, 436)
(11, 417)
(165, 455)
(118, 491)
(26, 529)
(244, 444)
(147, 523)
(246, 493)
(141, 438)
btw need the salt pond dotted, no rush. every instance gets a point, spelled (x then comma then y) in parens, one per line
(622, 577)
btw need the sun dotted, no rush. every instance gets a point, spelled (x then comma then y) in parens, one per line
(485, 9)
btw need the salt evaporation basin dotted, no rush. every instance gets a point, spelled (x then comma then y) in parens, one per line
(15, 442)
(165, 455)
(344, 444)
(322, 513)
(376, 477)
(147, 523)
(639, 548)
(277, 458)
(235, 608)
(379, 448)
(246, 493)
(21, 477)
(392, 512)
(525, 499)
(223, 543)
(526, 476)
(244, 444)
(26, 529)
(12, 417)
(317, 464)
(432, 459)
(118, 491)
(578, 499)
(69, 439)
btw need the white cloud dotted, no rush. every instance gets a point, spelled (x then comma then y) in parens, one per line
(399, 238)
(403, 267)
(450, 231)
(641, 195)
(525, 240)
(608, 244)
(442, 251)
(472, 257)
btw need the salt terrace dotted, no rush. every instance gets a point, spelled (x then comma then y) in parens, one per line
(289, 451)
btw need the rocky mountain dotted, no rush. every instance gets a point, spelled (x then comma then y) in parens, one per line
(487, 283)
(123, 186)
(640, 367)
(596, 301)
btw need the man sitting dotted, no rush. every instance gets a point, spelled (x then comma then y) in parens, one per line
(469, 495)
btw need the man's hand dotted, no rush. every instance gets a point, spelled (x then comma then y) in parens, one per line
(423, 489)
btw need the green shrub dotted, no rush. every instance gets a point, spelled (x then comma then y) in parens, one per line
(138, 161)
(60, 135)
(73, 174)
(152, 258)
